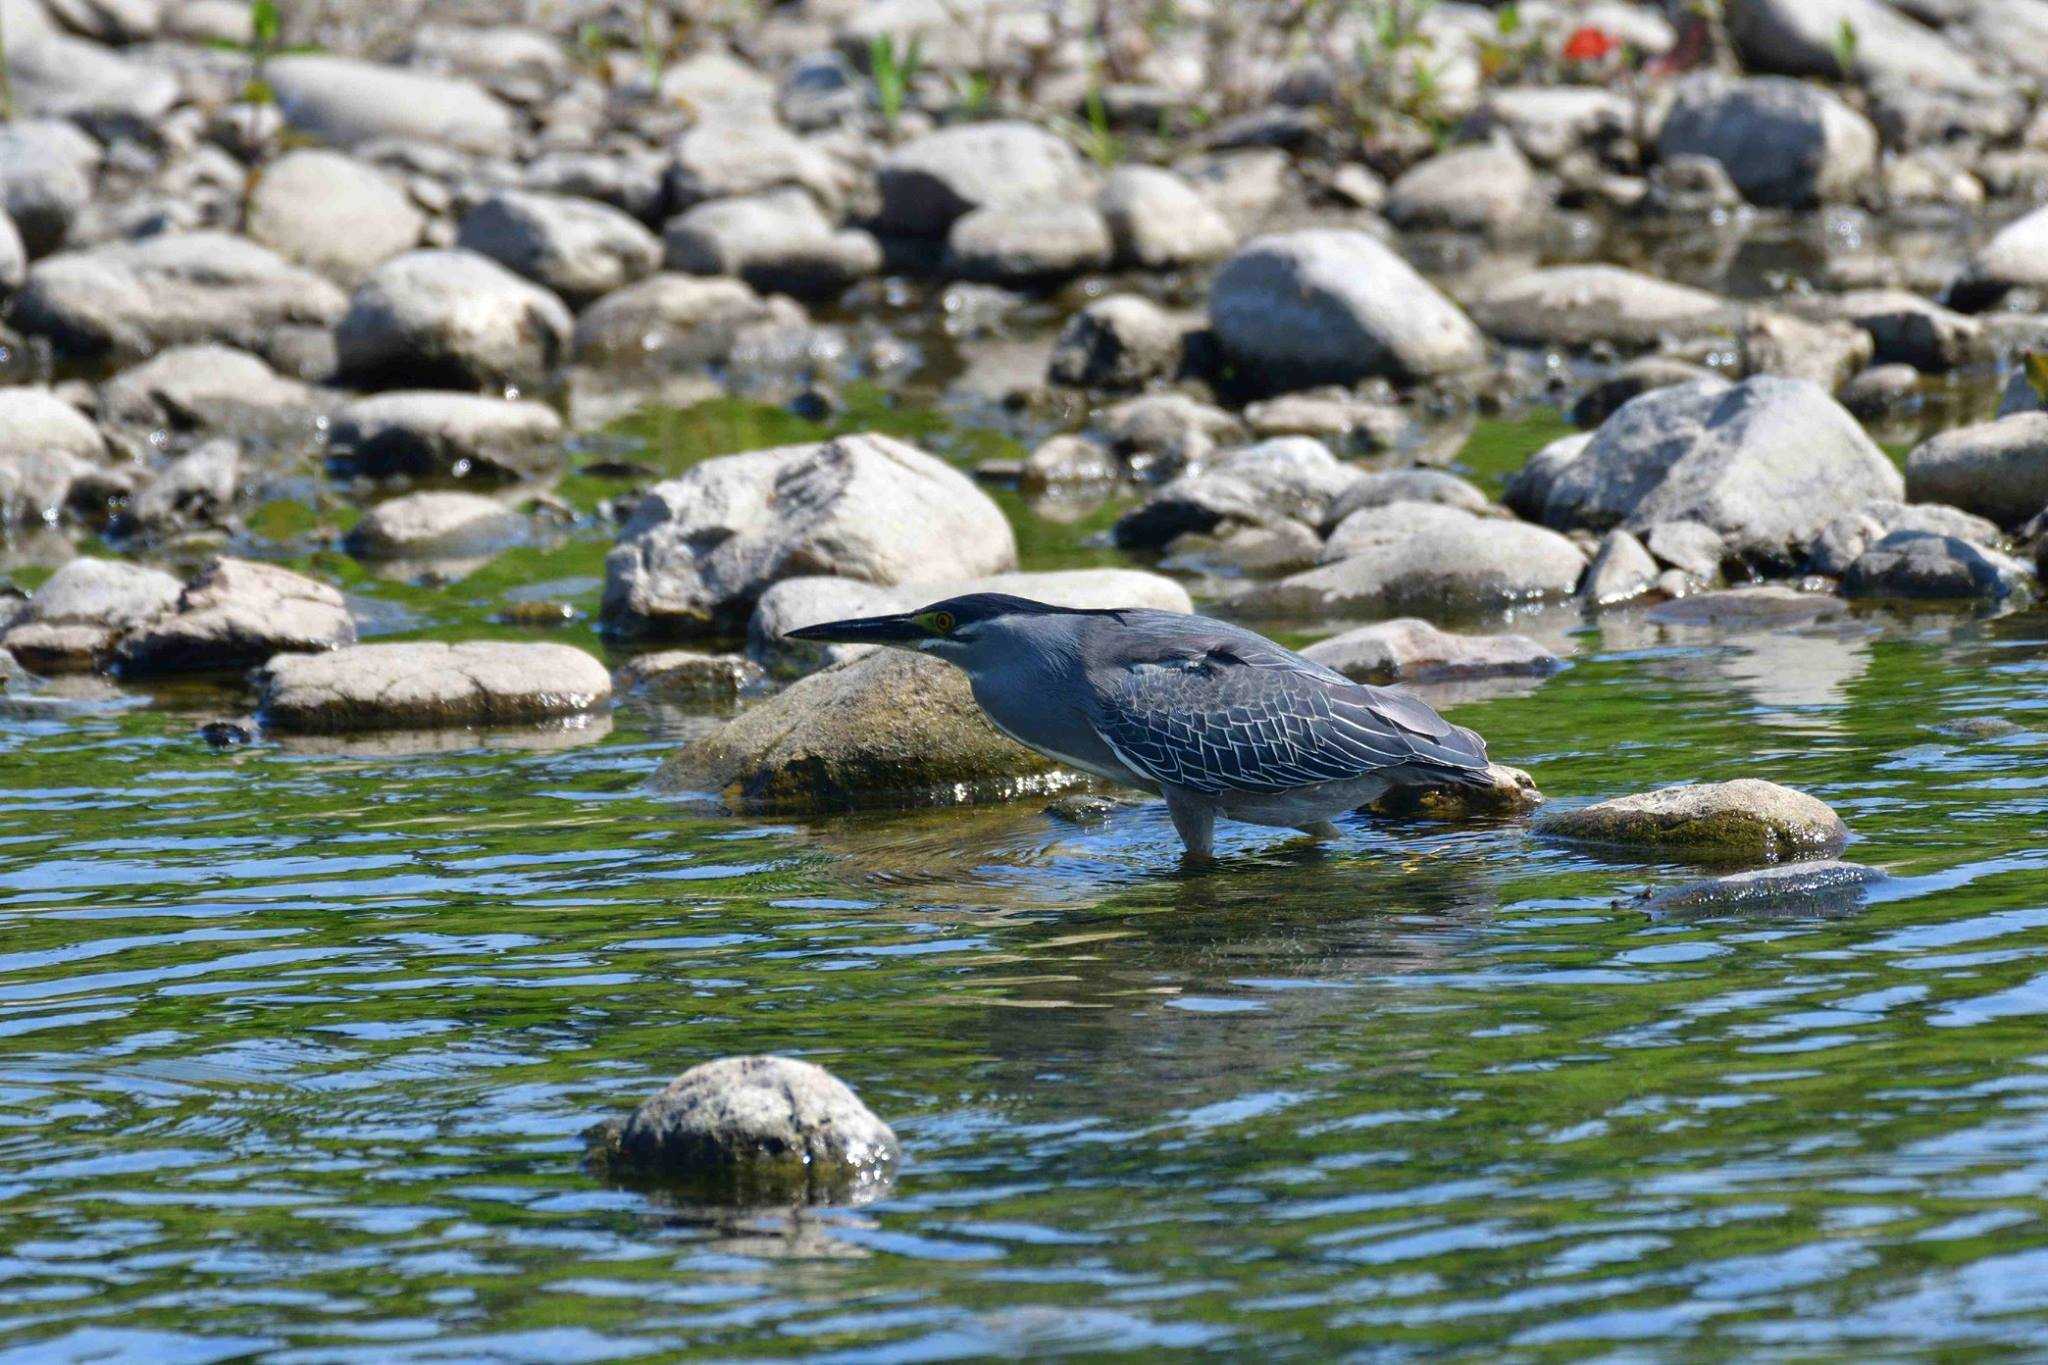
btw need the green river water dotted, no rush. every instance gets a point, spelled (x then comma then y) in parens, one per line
(296, 1045)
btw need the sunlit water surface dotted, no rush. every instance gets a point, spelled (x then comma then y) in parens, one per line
(295, 1046)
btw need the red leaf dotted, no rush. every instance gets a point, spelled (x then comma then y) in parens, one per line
(1589, 44)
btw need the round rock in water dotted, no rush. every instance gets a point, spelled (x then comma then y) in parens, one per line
(753, 1130)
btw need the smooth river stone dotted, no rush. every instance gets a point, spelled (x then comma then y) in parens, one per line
(430, 685)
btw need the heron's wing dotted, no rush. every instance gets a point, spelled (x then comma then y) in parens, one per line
(1200, 716)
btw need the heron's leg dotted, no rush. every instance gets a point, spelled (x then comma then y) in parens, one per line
(1321, 829)
(1194, 819)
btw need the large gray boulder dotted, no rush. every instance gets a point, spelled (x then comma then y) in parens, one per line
(234, 615)
(1425, 560)
(430, 685)
(453, 319)
(1407, 649)
(752, 1130)
(930, 181)
(348, 102)
(433, 434)
(888, 728)
(1290, 478)
(1997, 469)
(46, 445)
(700, 550)
(1746, 820)
(1578, 305)
(579, 248)
(1785, 143)
(46, 179)
(72, 622)
(1804, 38)
(132, 299)
(1329, 305)
(1768, 463)
(332, 213)
(798, 602)
(778, 241)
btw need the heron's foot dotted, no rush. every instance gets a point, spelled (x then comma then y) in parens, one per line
(1321, 830)
(1194, 819)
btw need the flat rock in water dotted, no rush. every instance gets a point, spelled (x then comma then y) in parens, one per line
(75, 618)
(796, 602)
(752, 1130)
(700, 550)
(434, 524)
(235, 615)
(1769, 605)
(430, 685)
(890, 728)
(433, 434)
(1926, 565)
(1413, 650)
(1744, 819)
(1578, 305)
(1802, 888)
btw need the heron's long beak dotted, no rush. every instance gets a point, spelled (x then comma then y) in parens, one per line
(864, 630)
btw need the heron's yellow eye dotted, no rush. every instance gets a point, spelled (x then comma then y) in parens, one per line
(937, 622)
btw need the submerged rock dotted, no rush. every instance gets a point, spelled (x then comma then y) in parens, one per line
(72, 622)
(700, 550)
(235, 615)
(1746, 819)
(891, 727)
(1326, 305)
(430, 685)
(752, 1130)
(1804, 888)
(1771, 604)
(1411, 650)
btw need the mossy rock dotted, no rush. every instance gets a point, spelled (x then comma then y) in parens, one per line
(887, 729)
(1744, 820)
